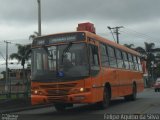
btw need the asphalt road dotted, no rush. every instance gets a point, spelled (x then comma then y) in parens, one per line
(148, 102)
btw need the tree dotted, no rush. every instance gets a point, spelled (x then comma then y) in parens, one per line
(34, 35)
(148, 51)
(129, 46)
(157, 71)
(23, 54)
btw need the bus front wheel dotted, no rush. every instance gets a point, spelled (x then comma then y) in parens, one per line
(106, 99)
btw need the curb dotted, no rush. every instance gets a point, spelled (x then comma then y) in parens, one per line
(25, 108)
(148, 89)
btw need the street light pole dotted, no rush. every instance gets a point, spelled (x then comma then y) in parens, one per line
(39, 17)
(116, 32)
(7, 80)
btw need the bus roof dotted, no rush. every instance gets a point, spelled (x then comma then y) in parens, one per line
(109, 42)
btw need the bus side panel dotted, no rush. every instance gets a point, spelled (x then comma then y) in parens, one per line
(140, 83)
(138, 78)
(97, 86)
(125, 87)
(110, 76)
(126, 79)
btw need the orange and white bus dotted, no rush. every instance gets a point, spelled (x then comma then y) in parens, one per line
(82, 67)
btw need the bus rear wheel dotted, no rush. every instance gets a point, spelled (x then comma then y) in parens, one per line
(133, 96)
(106, 99)
(60, 107)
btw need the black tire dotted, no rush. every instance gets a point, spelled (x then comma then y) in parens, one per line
(133, 96)
(106, 99)
(60, 107)
(155, 90)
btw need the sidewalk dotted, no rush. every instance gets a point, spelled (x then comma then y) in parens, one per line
(12, 104)
(9, 106)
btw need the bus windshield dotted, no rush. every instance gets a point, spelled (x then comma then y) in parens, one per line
(60, 62)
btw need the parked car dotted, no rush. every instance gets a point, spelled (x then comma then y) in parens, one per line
(157, 85)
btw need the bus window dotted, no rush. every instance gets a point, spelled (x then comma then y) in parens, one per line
(125, 59)
(52, 61)
(139, 64)
(135, 63)
(130, 58)
(39, 63)
(112, 57)
(104, 56)
(94, 60)
(119, 58)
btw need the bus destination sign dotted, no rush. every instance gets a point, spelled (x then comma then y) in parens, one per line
(68, 37)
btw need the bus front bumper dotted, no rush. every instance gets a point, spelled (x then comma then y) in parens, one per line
(85, 97)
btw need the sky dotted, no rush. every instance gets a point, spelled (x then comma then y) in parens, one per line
(140, 19)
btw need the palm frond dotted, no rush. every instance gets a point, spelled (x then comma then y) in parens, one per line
(140, 50)
(15, 56)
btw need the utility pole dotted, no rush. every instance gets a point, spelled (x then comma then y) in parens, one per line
(116, 31)
(39, 17)
(7, 80)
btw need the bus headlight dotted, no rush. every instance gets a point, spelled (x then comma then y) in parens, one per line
(35, 91)
(81, 89)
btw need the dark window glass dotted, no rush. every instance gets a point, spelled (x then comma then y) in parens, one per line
(125, 59)
(125, 56)
(112, 57)
(104, 56)
(139, 64)
(111, 52)
(131, 64)
(130, 57)
(94, 60)
(118, 54)
(135, 63)
(119, 58)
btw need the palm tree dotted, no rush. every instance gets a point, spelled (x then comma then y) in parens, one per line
(22, 55)
(34, 35)
(148, 51)
(129, 46)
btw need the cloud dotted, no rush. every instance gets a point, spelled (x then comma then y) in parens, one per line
(123, 11)
(18, 18)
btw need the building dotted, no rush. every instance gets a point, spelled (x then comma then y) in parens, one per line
(1, 76)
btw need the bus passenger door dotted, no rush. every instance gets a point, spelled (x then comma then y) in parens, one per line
(95, 72)
(116, 82)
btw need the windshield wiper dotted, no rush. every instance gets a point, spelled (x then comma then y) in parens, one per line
(47, 51)
(66, 50)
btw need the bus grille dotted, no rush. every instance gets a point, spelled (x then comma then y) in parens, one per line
(58, 92)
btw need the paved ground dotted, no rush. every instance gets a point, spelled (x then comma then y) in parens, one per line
(146, 103)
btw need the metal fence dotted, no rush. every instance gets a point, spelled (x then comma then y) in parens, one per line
(15, 90)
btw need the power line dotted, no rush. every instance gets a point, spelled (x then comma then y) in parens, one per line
(143, 34)
(146, 38)
(111, 33)
(2, 55)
